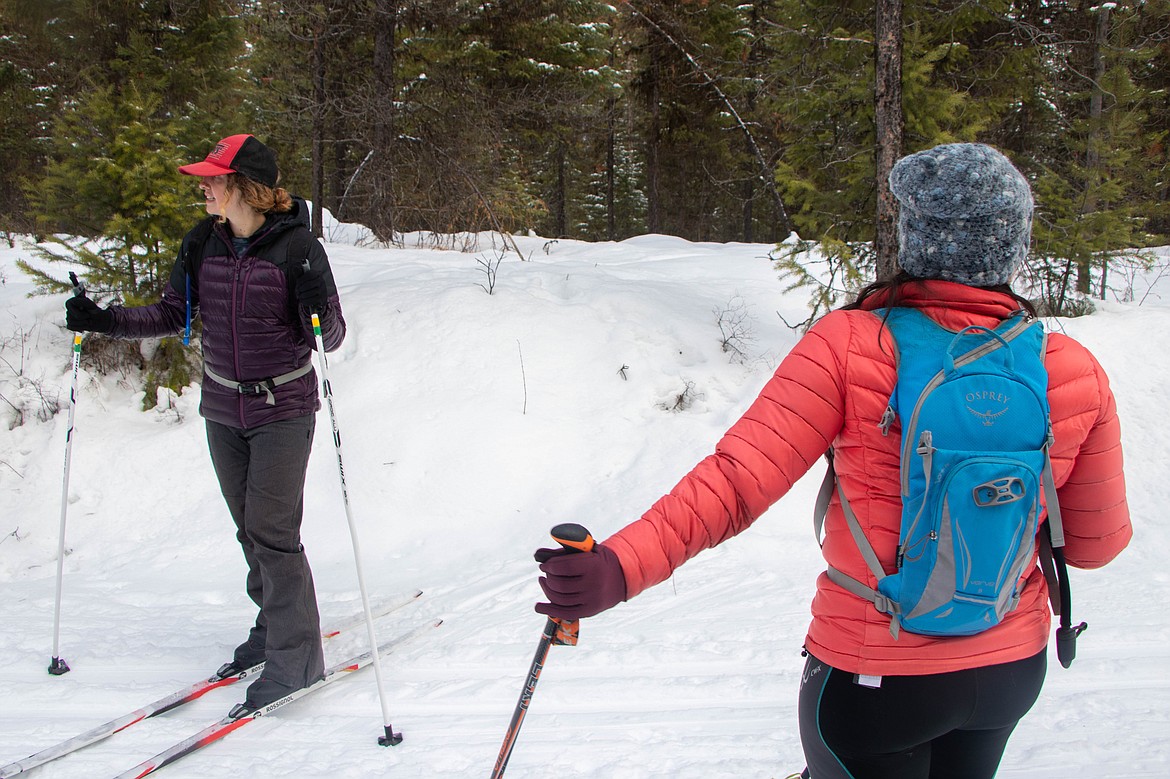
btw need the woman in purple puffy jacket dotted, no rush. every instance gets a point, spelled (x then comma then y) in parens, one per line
(253, 273)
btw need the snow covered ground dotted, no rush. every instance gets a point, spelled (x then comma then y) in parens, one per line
(471, 424)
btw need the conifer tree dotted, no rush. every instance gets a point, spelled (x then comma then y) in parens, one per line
(548, 65)
(688, 155)
(154, 87)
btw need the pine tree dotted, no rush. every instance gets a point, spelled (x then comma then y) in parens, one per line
(558, 58)
(158, 80)
(35, 72)
(706, 137)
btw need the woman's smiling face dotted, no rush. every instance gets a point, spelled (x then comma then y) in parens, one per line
(214, 193)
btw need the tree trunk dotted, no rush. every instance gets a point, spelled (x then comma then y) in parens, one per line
(317, 65)
(889, 127)
(1093, 143)
(610, 159)
(749, 194)
(653, 223)
(559, 196)
(385, 33)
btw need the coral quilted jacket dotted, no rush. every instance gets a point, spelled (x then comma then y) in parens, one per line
(832, 389)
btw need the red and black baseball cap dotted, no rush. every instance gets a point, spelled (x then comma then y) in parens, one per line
(241, 154)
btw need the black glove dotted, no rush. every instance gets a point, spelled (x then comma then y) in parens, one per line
(83, 315)
(310, 289)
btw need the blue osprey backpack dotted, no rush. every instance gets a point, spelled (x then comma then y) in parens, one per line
(973, 411)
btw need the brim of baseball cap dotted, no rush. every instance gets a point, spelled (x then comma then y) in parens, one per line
(205, 168)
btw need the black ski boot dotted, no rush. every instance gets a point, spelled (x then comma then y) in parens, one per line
(246, 656)
(260, 693)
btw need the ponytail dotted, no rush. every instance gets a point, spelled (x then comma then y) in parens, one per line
(265, 199)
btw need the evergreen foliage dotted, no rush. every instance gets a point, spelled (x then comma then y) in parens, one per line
(708, 119)
(136, 87)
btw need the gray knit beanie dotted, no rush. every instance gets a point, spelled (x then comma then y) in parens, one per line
(965, 215)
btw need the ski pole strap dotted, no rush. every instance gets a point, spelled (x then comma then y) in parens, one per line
(261, 387)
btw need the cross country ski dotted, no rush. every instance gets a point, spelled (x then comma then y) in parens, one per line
(175, 699)
(218, 730)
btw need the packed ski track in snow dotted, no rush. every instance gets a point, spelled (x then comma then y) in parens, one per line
(581, 389)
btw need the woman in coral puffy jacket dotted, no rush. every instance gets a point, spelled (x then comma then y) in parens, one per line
(872, 704)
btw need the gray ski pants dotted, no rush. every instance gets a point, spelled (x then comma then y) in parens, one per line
(261, 473)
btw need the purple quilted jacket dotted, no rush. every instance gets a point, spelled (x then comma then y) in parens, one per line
(253, 330)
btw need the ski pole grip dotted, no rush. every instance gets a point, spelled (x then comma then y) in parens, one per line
(573, 536)
(78, 287)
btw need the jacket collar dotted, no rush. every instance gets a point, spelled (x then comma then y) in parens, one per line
(274, 224)
(950, 302)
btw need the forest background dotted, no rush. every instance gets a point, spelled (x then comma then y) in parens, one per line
(708, 120)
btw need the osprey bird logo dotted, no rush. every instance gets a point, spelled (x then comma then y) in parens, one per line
(988, 417)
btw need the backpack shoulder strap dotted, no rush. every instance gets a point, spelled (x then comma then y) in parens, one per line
(190, 257)
(297, 250)
(296, 259)
(830, 484)
(841, 579)
(191, 252)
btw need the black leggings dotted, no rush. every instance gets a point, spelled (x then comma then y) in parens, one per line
(953, 725)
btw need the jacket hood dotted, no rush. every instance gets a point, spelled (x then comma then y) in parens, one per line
(297, 215)
(276, 224)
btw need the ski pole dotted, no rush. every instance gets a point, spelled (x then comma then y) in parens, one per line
(58, 665)
(390, 738)
(557, 632)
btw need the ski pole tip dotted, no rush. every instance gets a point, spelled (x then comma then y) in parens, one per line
(58, 666)
(391, 739)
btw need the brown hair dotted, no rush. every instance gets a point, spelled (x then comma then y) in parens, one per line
(263, 198)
